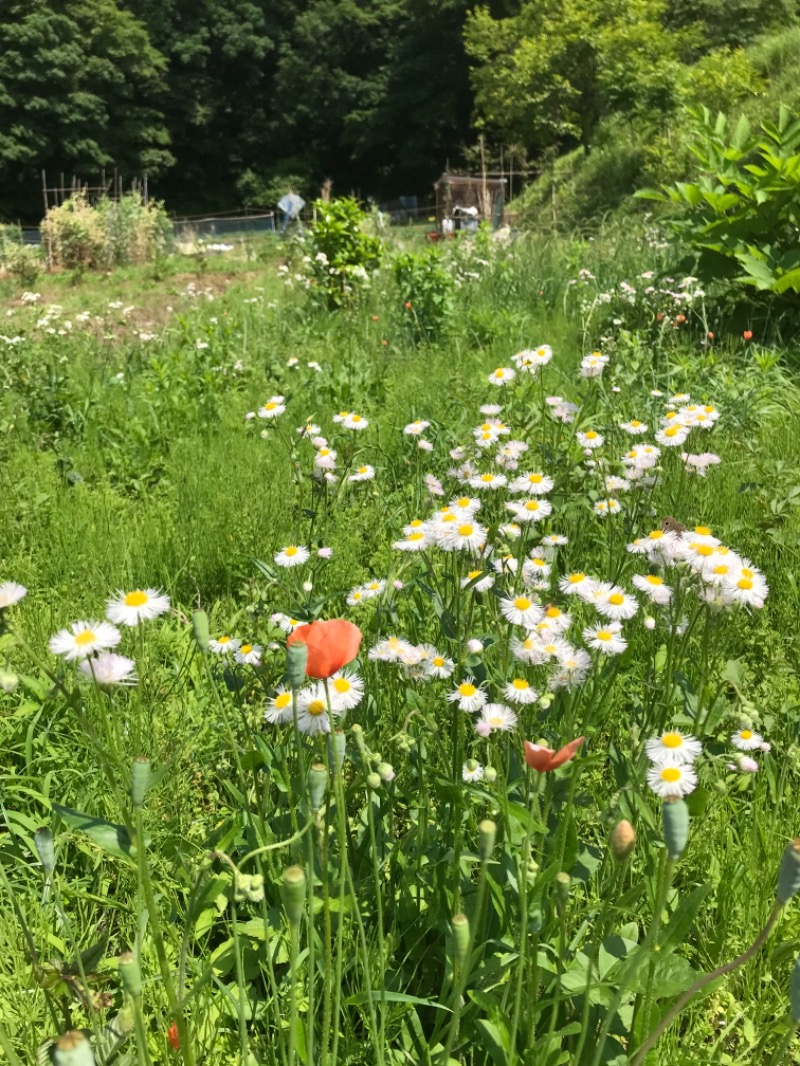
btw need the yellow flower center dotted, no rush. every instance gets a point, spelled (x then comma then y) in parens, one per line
(747, 572)
(86, 636)
(603, 634)
(246, 649)
(671, 774)
(136, 598)
(270, 406)
(532, 505)
(591, 435)
(356, 418)
(635, 423)
(466, 689)
(702, 531)
(416, 536)
(703, 549)
(522, 603)
(672, 740)
(417, 522)
(342, 685)
(466, 531)
(551, 649)
(575, 579)
(536, 479)
(656, 534)
(291, 551)
(616, 599)
(746, 734)
(744, 583)
(670, 415)
(723, 568)
(463, 501)
(473, 574)
(487, 478)
(552, 612)
(672, 431)
(324, 451)
(283, 700)
(363, 469)
(437, 661)
(520, 684)
(316, 707)
(653, 580)
(499, 373)
(224, 640)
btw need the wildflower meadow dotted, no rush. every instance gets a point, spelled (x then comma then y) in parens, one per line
(398, 664)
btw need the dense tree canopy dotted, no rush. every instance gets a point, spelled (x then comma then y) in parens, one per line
(218, 100)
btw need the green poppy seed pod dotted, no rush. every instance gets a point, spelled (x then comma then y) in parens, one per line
(200, 627)
(294, 894)
(675, 815)
(562, 883)
(374, 781)
(140, 780)
(358, 733)
(622, 840)
(130, 974)
(45, 849)
(789, 873)
(487, 834)
(794, 992)
(317, 784)
(296, 659)
(460, 927)
(490, 775)
(73, 1049)
(337, 743)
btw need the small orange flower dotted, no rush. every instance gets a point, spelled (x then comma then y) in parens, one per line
(172, 1036)
(680, 318)
(660, 316)
(375, 318)
(748, 334)
(385, 343)
(408, 305)
(710, 335)
(543, 759)
(331, 645)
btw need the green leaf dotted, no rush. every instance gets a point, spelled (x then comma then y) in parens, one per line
(394, 997)
(681, 921)
(112, 838)
(495, 1042)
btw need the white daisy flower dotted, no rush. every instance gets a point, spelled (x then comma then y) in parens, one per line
(346, 691)
(312, 710)
(325, 458)
(433, 485)
(671, 780)
(415, 428)
(674, 436)
(272, 408)
(84, 638)
(748, 587)
(613, 483)
(590, 439)
(441, 666)
(467, 536)
(249, 654)
(483, 585)
(141, 605)
(518, 690)
(284, 622)
(389, 650)
(293, 555)
(471, 771)
(634, 427)
(606, 639)
(521, 611)
(109, 669)
(616, 604)
(673, 747)
(417, 541)
(499, 717)
(363, 473)
(576, 583)
(468, 696)
(502, 375)
(279, 708)
(603, 508)
(747, 740)
(11, 593)
(488, 481)
(491, 410)
(354, 421)
(554, 540)
(223, 645)
(532, 510)
(653, 587)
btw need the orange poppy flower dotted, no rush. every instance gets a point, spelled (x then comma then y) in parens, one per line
(172, 1036)
(331, 645)
(540, 758)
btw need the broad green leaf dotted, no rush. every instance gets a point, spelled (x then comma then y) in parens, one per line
(112, 838)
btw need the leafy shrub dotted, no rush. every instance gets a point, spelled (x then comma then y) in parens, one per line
(427, 293)
(340, 257)
(113, 233)
(740, 217)
(23, 263)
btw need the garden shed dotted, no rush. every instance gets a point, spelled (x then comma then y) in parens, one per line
(463, 201)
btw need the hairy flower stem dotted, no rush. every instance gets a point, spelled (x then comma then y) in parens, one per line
(701, 983)
(637, 956)
(522, 882)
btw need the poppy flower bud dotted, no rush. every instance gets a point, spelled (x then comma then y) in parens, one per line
(317, 783)
(293, 890)
(45, 849)
(622, 840)
(675, 815)
(296, 659)
(130, 974)
(73, 1049)
(374, 781)
(490, 775)
(200, 629)
(140, 780)
(487, 833)
(562, 884)
(460, 927)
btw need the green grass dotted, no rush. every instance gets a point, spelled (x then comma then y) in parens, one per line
(130, 464)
